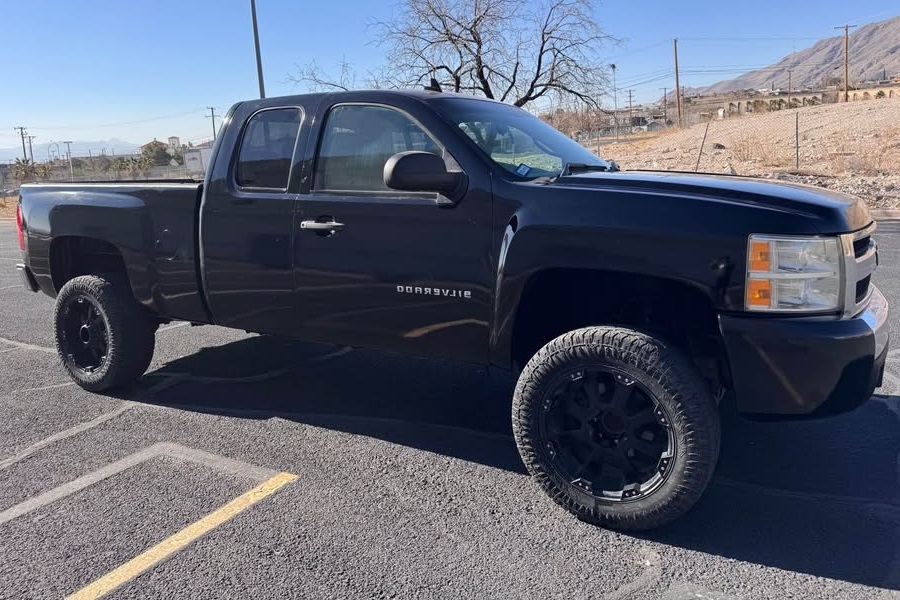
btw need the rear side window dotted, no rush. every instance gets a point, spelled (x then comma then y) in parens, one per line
(267, 149)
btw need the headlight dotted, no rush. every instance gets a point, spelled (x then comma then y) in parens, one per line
(793, 274)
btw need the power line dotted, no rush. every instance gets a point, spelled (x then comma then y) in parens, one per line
(749, 38)
(119, 124)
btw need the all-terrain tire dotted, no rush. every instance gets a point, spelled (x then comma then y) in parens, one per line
(120, 333)
(681, 397)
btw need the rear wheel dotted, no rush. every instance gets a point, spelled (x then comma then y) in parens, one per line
(104, 338)
(617, 427)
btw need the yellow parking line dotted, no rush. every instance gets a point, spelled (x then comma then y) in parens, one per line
(176, 542)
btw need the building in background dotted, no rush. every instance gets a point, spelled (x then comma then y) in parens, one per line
(196, 161)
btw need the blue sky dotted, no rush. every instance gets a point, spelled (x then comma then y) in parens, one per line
(135, 70)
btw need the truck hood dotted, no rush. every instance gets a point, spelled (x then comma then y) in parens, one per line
(819, 203)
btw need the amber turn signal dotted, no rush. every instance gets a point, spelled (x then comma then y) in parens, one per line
(759, 292)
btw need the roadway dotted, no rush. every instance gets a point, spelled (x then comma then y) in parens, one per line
(375, 476)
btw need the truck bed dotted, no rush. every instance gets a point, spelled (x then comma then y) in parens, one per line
(152, 224)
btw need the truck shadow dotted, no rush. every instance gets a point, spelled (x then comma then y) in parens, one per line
(817, 497)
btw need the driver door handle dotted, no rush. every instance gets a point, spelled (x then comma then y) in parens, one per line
(330, 226)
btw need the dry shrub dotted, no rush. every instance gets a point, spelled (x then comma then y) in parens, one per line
(880, 154)
(750, 148)
(743, 147)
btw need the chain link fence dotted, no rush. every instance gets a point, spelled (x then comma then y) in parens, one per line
(857, 138)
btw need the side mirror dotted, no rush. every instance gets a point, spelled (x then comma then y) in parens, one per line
(417, 171)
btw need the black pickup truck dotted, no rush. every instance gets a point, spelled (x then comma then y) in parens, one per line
(630, 304)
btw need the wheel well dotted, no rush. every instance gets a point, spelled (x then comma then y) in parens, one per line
(71, 257)
(559, 300)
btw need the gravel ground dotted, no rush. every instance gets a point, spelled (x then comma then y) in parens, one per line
(7, 208)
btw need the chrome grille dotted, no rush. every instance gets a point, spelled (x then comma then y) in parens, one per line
(862, 288)
(861, 259)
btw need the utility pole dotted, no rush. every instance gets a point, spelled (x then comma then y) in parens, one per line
(212, 115)
(630, 117)
(790, 73)
(259, 73)
(846, 29)
(677, 85)
(615, 103)
(30, 148)
(665, 105)
(22, 133)
(69, 156)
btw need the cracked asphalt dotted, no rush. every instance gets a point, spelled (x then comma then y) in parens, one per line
(408, 482)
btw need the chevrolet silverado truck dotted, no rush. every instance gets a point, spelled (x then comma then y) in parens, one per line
(631, 305)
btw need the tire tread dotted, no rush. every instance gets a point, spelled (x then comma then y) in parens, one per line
(692, 409)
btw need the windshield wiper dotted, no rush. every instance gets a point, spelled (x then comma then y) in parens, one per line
(570, 168)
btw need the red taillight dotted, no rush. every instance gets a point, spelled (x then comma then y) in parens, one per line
(20, 227)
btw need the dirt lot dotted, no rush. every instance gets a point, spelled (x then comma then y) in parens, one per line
(852, 147)
(8, 207)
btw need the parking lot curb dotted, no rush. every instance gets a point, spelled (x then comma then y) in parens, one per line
(885, 214)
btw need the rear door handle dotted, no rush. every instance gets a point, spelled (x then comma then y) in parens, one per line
(331, 226)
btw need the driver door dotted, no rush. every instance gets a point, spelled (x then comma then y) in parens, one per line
(395, 270)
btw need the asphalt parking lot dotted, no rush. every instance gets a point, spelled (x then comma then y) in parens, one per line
(251, 467)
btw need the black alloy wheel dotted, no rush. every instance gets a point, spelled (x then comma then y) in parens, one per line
(607, 433)
(85, 336)
(617, 426)
(104, 337)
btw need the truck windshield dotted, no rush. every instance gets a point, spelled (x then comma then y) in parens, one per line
(514, 139)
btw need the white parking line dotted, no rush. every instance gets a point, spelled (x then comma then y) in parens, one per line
(44, 387)
(82, 427)
(213, 461)
(25, 346)
(67, 433)
(639, 587)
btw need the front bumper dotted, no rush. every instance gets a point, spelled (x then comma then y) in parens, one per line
(27, 277)
(807, 366)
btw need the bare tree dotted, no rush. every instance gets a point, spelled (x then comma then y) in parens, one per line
(318, 80)
(502, 49)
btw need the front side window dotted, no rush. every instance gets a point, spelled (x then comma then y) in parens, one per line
(358, 140)
(514, 139)
(267, 149)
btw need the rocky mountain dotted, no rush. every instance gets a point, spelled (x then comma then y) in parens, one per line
(874, 50)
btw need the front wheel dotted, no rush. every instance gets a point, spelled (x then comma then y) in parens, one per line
(617, 427)
(104, 338)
